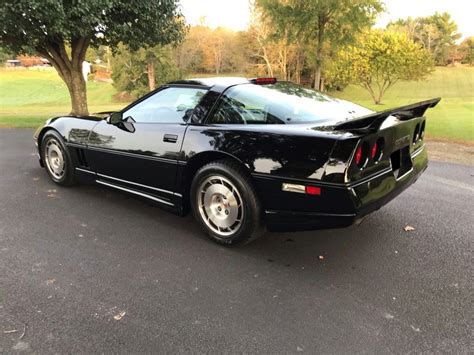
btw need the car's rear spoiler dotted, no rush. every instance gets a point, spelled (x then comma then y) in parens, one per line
(372, 122)
(103, 113)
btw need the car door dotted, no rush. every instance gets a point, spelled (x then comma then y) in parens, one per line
(140, 153)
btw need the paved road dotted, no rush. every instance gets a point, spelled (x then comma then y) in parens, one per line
(87, 269)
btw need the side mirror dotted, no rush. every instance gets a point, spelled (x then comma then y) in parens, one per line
(127, 124)
(188, 114)
(115, 118)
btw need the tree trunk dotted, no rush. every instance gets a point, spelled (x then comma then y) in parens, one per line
(319, 55)
(268, 64)
(298, 66)
(317, 77)
(151, 75)
(70, 69)
(368, 87)
(264, 55)
(269, 68)
(282, 54)
(77, 92)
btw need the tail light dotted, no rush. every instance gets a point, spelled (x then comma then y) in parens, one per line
(302, 189)
(362, 155)
(377, 150)
(373, 152)
(313, 190)
(366, 153)
(263, 81)
(358, 156)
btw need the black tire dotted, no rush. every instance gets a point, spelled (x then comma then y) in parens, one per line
(52, 140)
(225, 174)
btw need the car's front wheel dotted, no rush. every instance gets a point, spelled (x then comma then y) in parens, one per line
(225, 203)
(56, 159)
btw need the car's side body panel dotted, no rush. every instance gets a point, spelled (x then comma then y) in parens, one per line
(141, 159)
(74, 131)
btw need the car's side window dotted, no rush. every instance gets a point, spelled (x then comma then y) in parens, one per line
(239, 107)
(169, 105)
(228, 111)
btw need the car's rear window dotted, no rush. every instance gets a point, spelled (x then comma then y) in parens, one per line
(281, 103)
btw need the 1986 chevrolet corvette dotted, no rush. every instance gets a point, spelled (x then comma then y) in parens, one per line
(244, 155)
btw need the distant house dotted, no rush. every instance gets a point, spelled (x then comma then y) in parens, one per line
(45, 62)
(33, 61)
(12, 63)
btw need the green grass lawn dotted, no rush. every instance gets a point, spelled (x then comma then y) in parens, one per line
(452, 118)
(28, 97)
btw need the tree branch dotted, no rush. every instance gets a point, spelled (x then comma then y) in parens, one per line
(63, 53)
(65, 68)
(79, 48)
(53, 62)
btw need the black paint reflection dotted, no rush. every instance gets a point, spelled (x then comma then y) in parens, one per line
(289, 156)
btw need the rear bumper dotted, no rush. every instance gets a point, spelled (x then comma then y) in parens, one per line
(357, 200)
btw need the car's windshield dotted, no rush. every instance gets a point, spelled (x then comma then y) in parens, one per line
(282, 102)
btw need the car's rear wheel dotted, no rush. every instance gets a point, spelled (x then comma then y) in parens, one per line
(56, 159)
(225, 203)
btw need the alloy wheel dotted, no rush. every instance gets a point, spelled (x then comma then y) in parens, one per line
(55, 159)
(220, 205)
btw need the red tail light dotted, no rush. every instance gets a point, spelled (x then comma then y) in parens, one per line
(263, 81)
(373, 151)
(313, 190)
(301, 189)
(358, 156)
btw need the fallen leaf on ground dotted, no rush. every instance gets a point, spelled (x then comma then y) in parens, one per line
(119, 316)
(10, 331)
(389, 316)
(321, 257)
(36, 178)
(51, 195)
(50, 281)
(408, 228)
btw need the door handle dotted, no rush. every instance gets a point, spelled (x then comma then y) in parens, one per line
(170, 138)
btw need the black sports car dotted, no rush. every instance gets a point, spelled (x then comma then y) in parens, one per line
(244, 154)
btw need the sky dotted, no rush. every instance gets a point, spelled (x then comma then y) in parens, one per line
(234, 14)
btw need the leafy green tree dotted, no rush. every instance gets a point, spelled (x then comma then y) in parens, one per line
(138, 72)
(216, 51)
(5, 55)
(466, 48)
(437, 34)
(447, 36)
(48, 27)
(326, 24)
(380, 60)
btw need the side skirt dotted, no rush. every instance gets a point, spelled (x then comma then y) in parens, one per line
(159, 200)
(173, 205)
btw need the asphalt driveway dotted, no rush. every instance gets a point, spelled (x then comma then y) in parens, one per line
(87, 269)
